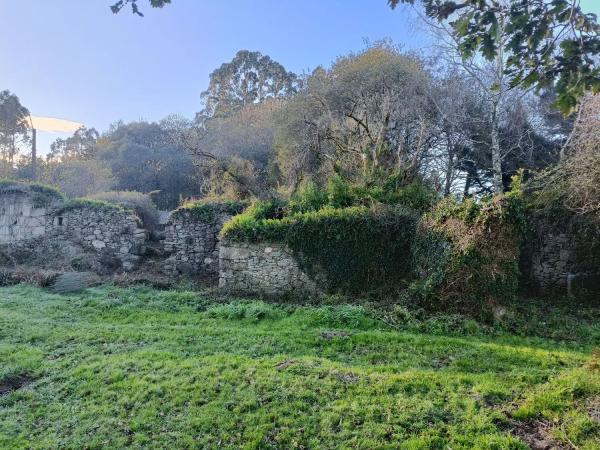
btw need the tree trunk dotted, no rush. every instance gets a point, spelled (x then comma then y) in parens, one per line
(496, 155)
(449, 167)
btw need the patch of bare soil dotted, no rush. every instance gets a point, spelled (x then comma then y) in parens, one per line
(284, 365)
(537, 434)
(593, 408)
(14, 383)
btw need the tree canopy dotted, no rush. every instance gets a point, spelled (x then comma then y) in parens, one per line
(250, 77)
(548, 43)
(14, 125)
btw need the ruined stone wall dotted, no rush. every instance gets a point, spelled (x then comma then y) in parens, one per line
(39, 228)
(263, 268)
(110, 232)
(555, 261)
(193, 243)
(20, 217)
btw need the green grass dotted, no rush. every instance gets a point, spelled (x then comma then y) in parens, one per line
(140, 368)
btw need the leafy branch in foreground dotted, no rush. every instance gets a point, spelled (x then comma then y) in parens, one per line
(551, 43)
(117, 7)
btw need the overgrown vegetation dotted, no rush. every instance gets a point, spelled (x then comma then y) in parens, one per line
(129, 368)
(41, 194)
(207, 211)
(351, 249)
(137, 202)
(466, 254)
(98, 205)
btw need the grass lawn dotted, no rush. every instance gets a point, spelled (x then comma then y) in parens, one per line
(140, 368)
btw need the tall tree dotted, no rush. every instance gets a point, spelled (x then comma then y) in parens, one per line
(14, 127)
(147, 157)
(250, 77)
(81, 145)
(368, 116)
(546, 43)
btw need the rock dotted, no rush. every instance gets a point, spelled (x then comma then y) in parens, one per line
(97, 244)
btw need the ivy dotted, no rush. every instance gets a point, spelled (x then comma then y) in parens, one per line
(349, 250)
(466, 255)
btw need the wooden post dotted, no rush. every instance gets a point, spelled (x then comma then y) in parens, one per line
(33, 153)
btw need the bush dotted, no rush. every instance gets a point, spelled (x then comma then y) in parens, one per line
(354, 249)
(466, 254)
(309, 198)
(393, 190)
(137, 202)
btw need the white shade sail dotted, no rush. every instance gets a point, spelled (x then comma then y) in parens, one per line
(54, 125)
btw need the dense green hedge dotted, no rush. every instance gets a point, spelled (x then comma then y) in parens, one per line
(351, 250)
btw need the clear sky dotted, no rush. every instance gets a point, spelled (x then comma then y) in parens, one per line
(74, 59)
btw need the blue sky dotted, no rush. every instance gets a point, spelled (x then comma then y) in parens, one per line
(76, 60)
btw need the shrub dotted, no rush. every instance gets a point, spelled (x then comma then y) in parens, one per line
(393, 190)
(354, 249)
(341, 194)
(309, 198)
(466, 254)
(138, 202)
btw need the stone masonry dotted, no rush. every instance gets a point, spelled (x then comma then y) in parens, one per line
(554, 265)
(263, 268)
(193, 244)
(114, 233)
(36, 224)
(20, 217)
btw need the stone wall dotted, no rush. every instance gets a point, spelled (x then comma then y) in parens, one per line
(193, 243)
(111, 232)
(20, 216)
(264, 268)
(39, 228)
(555, 262)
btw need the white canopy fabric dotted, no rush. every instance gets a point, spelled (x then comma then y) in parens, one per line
(54, 125)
